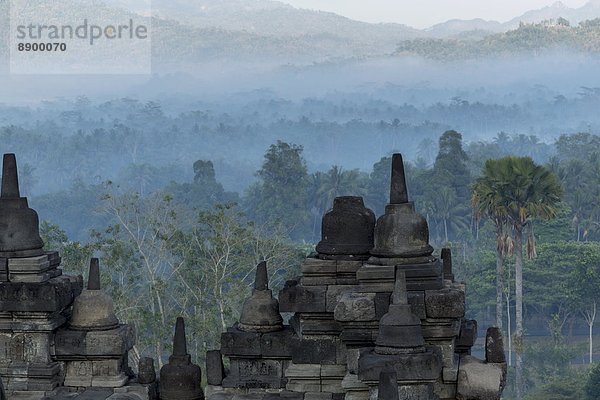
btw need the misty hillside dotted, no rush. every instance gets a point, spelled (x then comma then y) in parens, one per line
(455, 27)
(528, 39)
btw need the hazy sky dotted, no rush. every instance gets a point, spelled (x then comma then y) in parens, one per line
(424, 13)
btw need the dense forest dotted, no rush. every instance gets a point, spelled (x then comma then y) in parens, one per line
(190, 247)
(253, 122)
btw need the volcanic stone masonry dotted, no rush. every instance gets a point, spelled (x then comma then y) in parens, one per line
(374, 311)
(375, 315)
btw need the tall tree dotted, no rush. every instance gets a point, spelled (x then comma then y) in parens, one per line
(524, 191)
(281, 194)
(487, 201)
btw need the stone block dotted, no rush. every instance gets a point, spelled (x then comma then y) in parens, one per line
(314, 351)
(417, 301)
(96, 373)
(436, 329)
(316, 266)
(239, 343)
(73, 345)
(317, 396)
(299, 298)
(494, 346)
(334, 293)
(303, 371)
(317, 280)
(445, 303)
(445, 390)
(256, 373)
(467, 336)
(3, 269)
(332, 385)
(422, 391)
(382, 304)
(480, 381)
(278, 344)
(28, 265)
(34, 278)
(348, 267)
(215, 372)
(377, 273)
(426, 366)
(50, 296)
(338, 371)
(304, 386)
(31, 321)
(30, 347)
(355, 307)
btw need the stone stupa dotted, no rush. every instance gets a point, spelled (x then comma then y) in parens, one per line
(180, 379)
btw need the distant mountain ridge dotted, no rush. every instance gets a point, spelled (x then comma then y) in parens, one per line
(588, 11)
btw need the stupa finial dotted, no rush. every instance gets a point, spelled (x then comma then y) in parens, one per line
(10, 179)
(179, 343)
(94, 275)
(261, 282)
(398, 190)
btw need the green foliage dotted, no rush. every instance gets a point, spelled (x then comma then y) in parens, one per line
(280, 195)
(526, 39)
(560, 387)
(592, 385)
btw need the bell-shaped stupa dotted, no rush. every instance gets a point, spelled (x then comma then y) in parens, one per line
(180, 379)
(19, 236)
(260, 312)
(93, 309)
(399, 329)
(347, 229)
(401, 232)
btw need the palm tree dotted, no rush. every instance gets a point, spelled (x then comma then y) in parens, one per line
(520, 191)
(486, 200)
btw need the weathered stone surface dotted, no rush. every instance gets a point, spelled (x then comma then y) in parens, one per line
(260, 312)
(238, 343)
(440, 328)
(50, 296)
(25, 347)
(382, 304)
(313, 351)
(334, 294)
(73, 344)
(146, 371)
(355, 307)
(446, 257)
(318, 396)
(297, 298)
(480, 381)
(347, 228)
(388, 385)
(96, 373)
(29, 265)
(256, 373)
(467, 336)
(278, 344)
(19, 236)
(426, 366)
(315, 324)
(215, 371)
(445, 303)
(494, 346)
(318, 267)
(180, 379)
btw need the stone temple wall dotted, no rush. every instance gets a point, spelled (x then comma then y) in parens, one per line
(374, 315)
